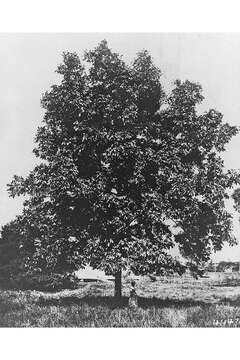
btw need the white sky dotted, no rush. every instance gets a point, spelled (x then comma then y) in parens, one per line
(28, 62)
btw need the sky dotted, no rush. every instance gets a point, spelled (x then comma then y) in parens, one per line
(27, 69)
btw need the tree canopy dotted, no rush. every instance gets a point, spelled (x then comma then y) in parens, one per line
(123, 164)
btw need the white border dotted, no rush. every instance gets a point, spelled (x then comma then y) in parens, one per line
(109, 344)
(119, 16)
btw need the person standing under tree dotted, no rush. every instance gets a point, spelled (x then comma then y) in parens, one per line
(133, 300)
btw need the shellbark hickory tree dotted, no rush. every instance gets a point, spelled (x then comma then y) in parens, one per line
(122, 165)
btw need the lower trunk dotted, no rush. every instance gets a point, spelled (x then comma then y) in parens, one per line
(118, 285)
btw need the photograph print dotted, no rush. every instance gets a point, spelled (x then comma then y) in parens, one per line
(120, 180)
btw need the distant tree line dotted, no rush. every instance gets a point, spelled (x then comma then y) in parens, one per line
(222, 266)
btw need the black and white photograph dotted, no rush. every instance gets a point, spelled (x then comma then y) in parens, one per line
(120, 180)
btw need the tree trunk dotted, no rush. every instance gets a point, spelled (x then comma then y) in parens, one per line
(118, 285)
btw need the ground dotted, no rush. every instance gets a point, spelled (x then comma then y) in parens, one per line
(211, 301)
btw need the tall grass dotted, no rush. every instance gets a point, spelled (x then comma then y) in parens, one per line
(161, 304)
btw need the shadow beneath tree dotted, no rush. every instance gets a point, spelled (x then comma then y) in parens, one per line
(111, 302)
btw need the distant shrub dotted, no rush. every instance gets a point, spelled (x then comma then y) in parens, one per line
(8, 274)
(39, 282)
(5, 276)
(48, 282)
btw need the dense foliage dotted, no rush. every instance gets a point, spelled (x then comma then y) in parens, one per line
(14, 256)
(127, 172)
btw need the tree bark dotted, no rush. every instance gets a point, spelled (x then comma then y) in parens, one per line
(118, 285)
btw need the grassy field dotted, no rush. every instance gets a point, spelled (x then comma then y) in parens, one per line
(212, 301)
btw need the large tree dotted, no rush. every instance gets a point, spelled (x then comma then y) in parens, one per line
(123, 164)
